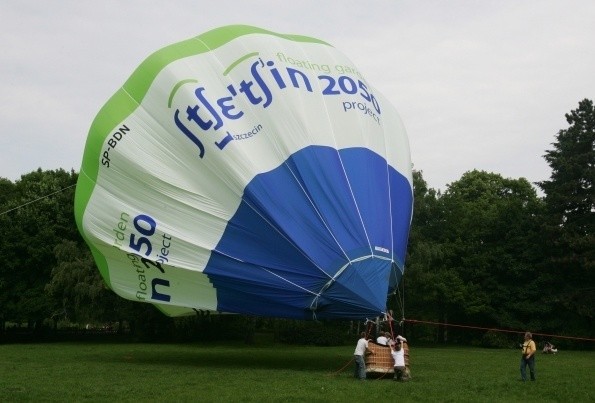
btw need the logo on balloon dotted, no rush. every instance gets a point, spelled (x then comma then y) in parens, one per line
(208, 114)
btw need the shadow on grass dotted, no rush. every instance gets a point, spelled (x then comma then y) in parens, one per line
(281, 358)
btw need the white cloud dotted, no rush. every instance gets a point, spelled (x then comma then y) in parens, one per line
(479, 85)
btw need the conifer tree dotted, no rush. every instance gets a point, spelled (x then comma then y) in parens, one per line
(570, 219)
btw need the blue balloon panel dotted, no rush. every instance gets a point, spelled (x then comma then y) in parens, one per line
(321, 236)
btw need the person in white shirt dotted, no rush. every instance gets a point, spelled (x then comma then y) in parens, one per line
(383, 339)
(358, 355)
(398, 353)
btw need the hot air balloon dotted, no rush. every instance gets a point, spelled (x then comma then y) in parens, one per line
(252, 172)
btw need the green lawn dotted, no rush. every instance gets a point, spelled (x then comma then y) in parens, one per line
(200, 373)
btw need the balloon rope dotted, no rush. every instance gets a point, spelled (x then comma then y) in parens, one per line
(36, 200)
(342, 368)
(496, 329)
(390, 324)
(369, 328)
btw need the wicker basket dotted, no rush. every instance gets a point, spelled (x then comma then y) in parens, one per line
(381, 361)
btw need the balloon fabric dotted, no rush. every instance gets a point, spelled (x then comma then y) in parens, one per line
(251, 172)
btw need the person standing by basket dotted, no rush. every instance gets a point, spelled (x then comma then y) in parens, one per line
(358, 355)
(528, 357)
(398, 353)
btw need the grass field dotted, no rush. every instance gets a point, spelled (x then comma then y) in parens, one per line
(237, 373)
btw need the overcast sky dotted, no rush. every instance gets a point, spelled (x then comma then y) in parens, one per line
(479, 84)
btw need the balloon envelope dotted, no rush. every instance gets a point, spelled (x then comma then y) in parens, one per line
(250, 172)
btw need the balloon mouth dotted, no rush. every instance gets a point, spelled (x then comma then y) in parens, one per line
(358, 289)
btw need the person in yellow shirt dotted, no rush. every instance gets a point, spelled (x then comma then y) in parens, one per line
(528, 357)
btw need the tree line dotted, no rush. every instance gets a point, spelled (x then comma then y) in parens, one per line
(489, 253)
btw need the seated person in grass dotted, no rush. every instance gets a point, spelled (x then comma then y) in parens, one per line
(549, 348)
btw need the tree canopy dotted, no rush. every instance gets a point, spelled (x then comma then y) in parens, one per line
(488, 251)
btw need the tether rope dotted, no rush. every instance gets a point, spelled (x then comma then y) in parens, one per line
(427, 322)
(36, 200)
